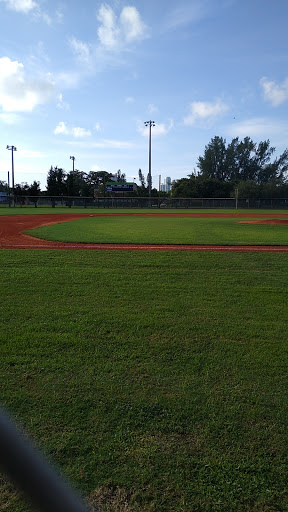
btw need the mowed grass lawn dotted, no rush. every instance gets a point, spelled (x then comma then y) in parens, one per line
(156, 381)
(165, 230)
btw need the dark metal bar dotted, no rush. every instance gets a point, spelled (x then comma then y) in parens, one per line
(27, 468)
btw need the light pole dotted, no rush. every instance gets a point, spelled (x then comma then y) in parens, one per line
(12, 149)
(150, 124)
(73, 158)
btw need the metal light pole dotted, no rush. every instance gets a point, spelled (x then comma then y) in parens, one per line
(12, 148)
(73, 158)
(150, 124)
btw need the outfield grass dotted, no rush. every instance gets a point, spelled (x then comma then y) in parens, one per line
(156, 381)
(27, 210)
(165, 230)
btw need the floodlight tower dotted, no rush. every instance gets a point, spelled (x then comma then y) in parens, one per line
(150, 124)
(12, 149)
(73, 158)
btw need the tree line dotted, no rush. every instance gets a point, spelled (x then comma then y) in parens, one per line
(77, 184)
(241, 166)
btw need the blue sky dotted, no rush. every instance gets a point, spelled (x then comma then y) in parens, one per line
(80, 78)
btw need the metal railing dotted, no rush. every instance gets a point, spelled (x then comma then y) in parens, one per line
(26, 467)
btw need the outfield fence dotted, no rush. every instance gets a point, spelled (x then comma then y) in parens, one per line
(139, 202)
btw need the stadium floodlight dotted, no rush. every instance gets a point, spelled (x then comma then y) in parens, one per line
(150, 124)
(12, 149)
(73, 158)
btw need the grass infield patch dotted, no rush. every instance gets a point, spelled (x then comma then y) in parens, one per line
(155, 381)
(165, 230)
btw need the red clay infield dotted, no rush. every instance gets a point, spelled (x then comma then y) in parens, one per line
(12, 236)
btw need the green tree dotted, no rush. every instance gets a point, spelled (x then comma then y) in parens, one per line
(201, 186)
(242, 160)
(248, 189)
(185, 187)
(100, 178)
(21, 191)
(213, 163)
(142, 191)
(56, 185)
(142, 179)
(3, 186)
(76, 183)
(274, 171)
(120, 176)
(34, 191)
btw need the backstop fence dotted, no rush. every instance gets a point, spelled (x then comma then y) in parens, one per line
(140, 202)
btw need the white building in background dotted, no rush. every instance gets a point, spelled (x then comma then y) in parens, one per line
(166, 186)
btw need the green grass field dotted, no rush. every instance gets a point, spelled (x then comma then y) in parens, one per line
(27, 210)
(165, 230)
(155, 381)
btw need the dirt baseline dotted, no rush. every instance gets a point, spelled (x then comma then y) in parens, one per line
(12, 236)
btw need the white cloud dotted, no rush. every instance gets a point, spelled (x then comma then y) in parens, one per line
(44, 16)
(19, 93)
(132, 26)
(24, 6)
(75, 131)
(78, 132)
(274, 93)
(116, 34)
(185, 14)
(68, 80)
(113, 33)
(61, 128)
(158, 129)
(61, 103)
(10, 118)
(112, 144)
(258, 127)
(205, 111)
(28, 7)
(59, 14)
(129, 99)
(97, 127)
(103, 144)
(108, 32)
(81, 50)
(152, 108)
(26, 153)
